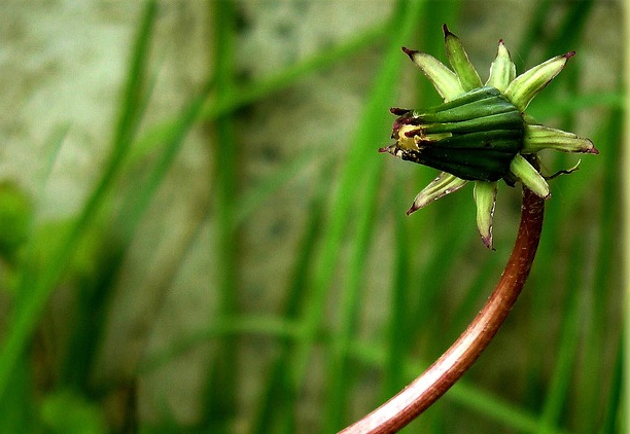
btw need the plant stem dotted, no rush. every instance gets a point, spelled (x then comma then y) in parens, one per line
(439, 377)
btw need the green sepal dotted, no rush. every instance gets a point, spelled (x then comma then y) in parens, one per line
(507, 120)
(480, 133)
(468, 164)
(488, 102)
(529, 176)
(444, 184)
(465, 98)
(526, 86)
(485, 194)
(497, 140)
(444, 80)
(473, 137)
(539, 137)
(464, 69)
(479, 110)
(502, 69)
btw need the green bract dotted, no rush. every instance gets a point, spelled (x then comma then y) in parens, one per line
(481, 132)
(474, 136)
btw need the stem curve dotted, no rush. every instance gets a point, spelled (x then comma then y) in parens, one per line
(438, 378)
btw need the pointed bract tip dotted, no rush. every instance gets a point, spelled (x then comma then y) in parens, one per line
(501, 42)
(487, 241)
(409, 52)
(446, 30)
(398, 111)
(592, 149)
(412, 209)
(383, 150)
(569, 55)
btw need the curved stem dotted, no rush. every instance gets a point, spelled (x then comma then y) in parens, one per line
(439, 377)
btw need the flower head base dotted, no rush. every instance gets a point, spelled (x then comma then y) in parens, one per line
(474, 136)
(480, 133)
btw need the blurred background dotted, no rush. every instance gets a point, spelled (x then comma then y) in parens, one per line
(197, 233)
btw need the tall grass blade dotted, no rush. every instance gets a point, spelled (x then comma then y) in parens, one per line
(35, 293)
(343, 202)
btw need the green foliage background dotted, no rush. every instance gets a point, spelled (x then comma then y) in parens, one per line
(317, 360)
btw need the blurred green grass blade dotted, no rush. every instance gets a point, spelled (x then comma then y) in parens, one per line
(263, 88)
(251, 325)
(320, 61)
(369, 354)
(433, 274)
(606, 286)
(397, 344)
(462, 392)
(572, 28)
(572, 320)
(134, 93)
(247, 205)
(510, 416)
(27, 268)
(55, 142)
(477, 292)
(89, 321)
(137, 201)
(616, 413)
(251, 199)
(94, 295)
(564, 40)
(546, 107)
(338, 367)
(612, 168)
(274, 410)
(548, 263)
(220, 399)
(274, 413)
(347, 187)
(533, 32)
(25, 316)
(18, 409)
(256, 196)
(413, 277)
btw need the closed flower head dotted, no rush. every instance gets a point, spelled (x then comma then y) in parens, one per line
(481, 132)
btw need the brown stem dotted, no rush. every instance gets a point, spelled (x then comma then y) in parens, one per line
(439, 377)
